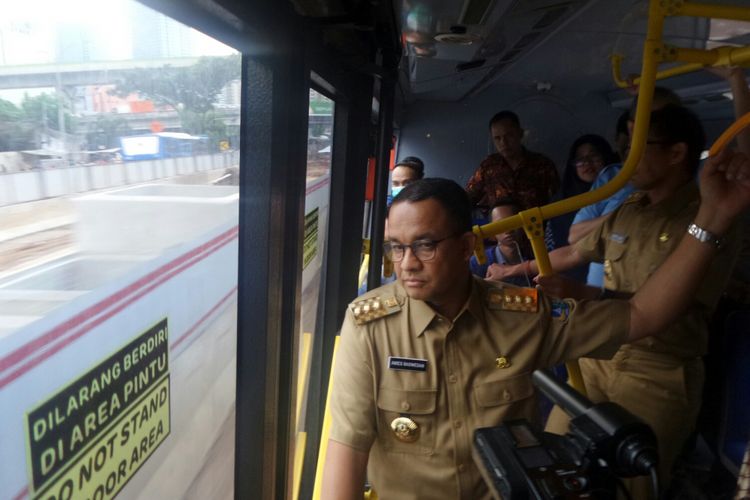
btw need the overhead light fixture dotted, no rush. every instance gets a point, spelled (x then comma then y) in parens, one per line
(457, 36)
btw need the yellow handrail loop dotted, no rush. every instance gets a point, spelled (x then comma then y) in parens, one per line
(654, 52)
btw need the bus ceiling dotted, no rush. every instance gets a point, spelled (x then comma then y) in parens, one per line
(455, 50)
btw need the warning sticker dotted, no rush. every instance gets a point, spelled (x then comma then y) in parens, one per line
(310, 243)
(88, 439)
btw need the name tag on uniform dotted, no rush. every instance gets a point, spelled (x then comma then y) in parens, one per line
(408, 364)
(618, 238)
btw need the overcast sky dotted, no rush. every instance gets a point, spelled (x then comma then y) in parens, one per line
(28, 29)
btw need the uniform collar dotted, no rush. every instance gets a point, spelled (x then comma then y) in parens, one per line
(674, 204)
(421, 314)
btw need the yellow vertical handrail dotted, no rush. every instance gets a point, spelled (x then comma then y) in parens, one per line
(652, 55)
(654, 51)
(532, 219)
(325, 433)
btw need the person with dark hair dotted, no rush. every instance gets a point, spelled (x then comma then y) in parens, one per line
(512, 246)
(426, 360)
(591, 216)
(405, 171)
(515, 172)
(505, 115)
(658, 378)
(588, 155)
(412, 163)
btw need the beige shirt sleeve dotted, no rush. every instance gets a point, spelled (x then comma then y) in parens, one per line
(586, 328)
(591, 246)
(352, 402)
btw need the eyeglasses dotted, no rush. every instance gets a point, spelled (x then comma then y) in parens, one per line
(423, 250)
(590, 159)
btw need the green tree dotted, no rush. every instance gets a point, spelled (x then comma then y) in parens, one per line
(191, 90)
(16, 132)
(106, 131)
(21, 125)
(9, 133)
(41, 111)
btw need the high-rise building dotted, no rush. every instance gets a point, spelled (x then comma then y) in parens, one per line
(230, 95)
(76, 43)
(155, 36)
(24, 42)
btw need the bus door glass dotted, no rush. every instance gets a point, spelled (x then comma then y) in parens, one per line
(317, 194)
(118, 272)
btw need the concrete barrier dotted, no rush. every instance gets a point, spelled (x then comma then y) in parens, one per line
(22, 187)
(62, 320)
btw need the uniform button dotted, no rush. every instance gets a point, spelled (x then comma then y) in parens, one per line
(506, 395)
(405, 405)
(452, 378)
(461, 468)
(457, 424)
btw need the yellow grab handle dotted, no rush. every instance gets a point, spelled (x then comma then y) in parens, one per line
(727, 136)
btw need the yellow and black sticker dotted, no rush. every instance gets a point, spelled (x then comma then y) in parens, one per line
(92, 436)
(310, 242)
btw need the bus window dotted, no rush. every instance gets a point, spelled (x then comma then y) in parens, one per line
(118, 243)
(317, 195)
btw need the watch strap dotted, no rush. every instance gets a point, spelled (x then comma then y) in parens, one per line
(703, 235)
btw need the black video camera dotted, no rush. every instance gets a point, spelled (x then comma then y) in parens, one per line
(605, 442)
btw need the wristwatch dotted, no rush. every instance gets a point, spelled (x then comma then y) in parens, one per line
(704, 236)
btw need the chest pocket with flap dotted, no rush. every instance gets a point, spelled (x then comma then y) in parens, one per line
(501, 399)
(417, 405)
(614, 250)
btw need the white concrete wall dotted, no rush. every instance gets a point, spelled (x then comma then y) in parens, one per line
(21, 187)
(148, 219)
(69, 324)
(192, 285)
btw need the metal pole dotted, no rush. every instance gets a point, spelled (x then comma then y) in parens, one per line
(385, 130)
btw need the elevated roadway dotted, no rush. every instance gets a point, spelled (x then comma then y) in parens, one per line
(78, 74)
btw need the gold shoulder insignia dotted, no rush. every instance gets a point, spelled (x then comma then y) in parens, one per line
(513, 299)
(635, 197)
(366, 310)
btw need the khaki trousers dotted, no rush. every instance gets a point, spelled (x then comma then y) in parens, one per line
(662, 390)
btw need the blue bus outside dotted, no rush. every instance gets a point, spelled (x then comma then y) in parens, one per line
(161, 145)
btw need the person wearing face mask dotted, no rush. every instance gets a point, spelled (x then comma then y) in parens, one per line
(426, 360)
(407, 170)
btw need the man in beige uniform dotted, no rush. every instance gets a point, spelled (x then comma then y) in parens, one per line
(423, 362)
(658, 378)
